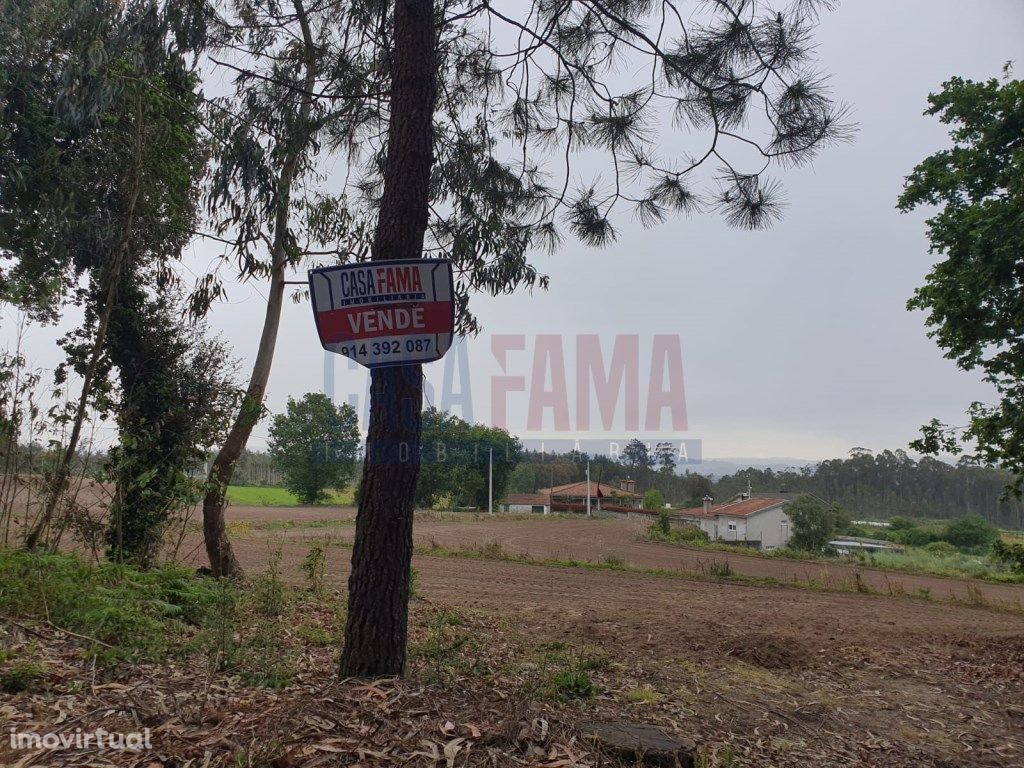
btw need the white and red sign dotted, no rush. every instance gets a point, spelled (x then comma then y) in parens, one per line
(385, 312)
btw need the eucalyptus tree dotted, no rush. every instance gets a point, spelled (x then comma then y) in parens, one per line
(264, 203)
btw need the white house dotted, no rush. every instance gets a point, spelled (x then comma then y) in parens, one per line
(760, 522)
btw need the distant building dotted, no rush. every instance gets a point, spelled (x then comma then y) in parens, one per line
(750, 520)
(573, 494)
(525, 502)
(847, 545)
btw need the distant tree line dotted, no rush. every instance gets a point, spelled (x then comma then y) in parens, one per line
(885, 484)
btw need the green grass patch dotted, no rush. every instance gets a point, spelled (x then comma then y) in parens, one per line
(125, 613)
(265, 496)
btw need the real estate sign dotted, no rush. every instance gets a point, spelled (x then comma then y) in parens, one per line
(385, 312)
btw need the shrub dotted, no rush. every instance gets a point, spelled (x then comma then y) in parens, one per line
(971, 533)
(941, 548)
(911, 537)
(1010, 554)
(653, 500)
(690, 534)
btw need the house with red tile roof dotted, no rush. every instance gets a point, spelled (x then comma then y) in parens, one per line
(759, 521)
(624, 495)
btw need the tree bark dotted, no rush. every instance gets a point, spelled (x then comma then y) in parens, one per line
(223, 561)
(378, 606)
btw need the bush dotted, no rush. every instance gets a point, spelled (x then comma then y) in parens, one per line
(690, 534)
(911, 537)
(653, 500)
(973, 533)
(941, 548)
(1010, 554)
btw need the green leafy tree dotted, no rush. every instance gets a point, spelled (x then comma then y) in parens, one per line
(177, 394)
(665, 456)
(971, 533)
(297, 75)
(456, 457)
(974, 296)
(98, 177)
(315, 444)
(812, 523)
(654, 500)
(636, 456)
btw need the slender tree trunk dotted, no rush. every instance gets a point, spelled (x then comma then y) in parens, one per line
(378, 605)
(218, 546)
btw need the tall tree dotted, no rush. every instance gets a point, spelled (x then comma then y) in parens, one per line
(457, 459)
(549, 88)
(176, 395)
(974, 297)
(96, 173)
(287, 62)
(485, 111)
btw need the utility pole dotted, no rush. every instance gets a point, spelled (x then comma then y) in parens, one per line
(588, 487)
(490, 481)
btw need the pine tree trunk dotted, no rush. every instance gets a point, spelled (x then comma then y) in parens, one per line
(378, 606)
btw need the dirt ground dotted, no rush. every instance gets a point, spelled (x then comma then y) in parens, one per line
(594, 540)
(873, 680)
(753, 674)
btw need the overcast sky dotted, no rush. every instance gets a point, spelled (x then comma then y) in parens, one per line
(795, 342)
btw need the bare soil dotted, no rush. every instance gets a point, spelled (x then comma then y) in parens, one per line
(756, 675)
(595, 540)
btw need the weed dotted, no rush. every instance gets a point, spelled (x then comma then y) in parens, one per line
(443, 651)
(492, 550)
(573, 684)
(315, 567)
(268, 589)
(643, 695)
(414, 580)
(133, 615)
(720, 570)
(614, 560)
(314, 635)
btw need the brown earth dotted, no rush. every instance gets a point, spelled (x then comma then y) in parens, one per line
(872, 680)
(596, 539)
(756, 674)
